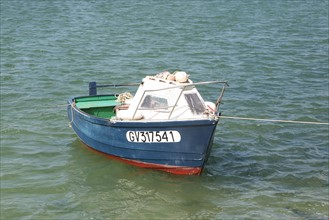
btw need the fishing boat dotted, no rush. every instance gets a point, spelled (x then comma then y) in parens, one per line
(165, 125)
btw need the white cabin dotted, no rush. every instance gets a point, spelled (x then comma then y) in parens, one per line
(161, 99)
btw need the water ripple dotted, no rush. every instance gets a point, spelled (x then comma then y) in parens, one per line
(274, 54)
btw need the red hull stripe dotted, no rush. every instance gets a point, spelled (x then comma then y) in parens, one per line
(179, 170)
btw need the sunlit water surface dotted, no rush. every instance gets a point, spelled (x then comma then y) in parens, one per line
(273, 53)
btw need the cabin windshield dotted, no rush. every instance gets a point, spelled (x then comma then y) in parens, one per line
(154, 102)
(194, 102)
(170, 103)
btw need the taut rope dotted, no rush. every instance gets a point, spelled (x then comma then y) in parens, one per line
(273, 120)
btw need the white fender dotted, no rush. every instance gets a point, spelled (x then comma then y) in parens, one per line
(128, 115)
(211, 106)
(181, 76)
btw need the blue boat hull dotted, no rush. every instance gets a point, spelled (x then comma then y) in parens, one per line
(180, 147)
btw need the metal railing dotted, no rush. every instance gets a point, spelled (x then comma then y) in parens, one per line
(93, 86)
(184, 87)
(93, 91)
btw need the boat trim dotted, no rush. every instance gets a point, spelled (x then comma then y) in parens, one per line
(178, 170)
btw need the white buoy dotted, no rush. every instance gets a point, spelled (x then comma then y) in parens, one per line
(181, 76)
(165, 74)
(171, 77)
(210, 106)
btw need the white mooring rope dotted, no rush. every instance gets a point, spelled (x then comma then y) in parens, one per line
(273, 120)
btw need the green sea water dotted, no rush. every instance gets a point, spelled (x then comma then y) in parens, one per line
(273, 53)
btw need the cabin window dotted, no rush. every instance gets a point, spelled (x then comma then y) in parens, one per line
(154, 102)
(195, 103)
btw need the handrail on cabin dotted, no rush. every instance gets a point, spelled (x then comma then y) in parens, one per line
(183, 86)
(93, 90)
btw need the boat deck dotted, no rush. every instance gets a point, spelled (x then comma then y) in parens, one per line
(99, 106)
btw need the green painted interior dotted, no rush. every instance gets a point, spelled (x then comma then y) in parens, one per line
(99, 106)
(101, 112)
